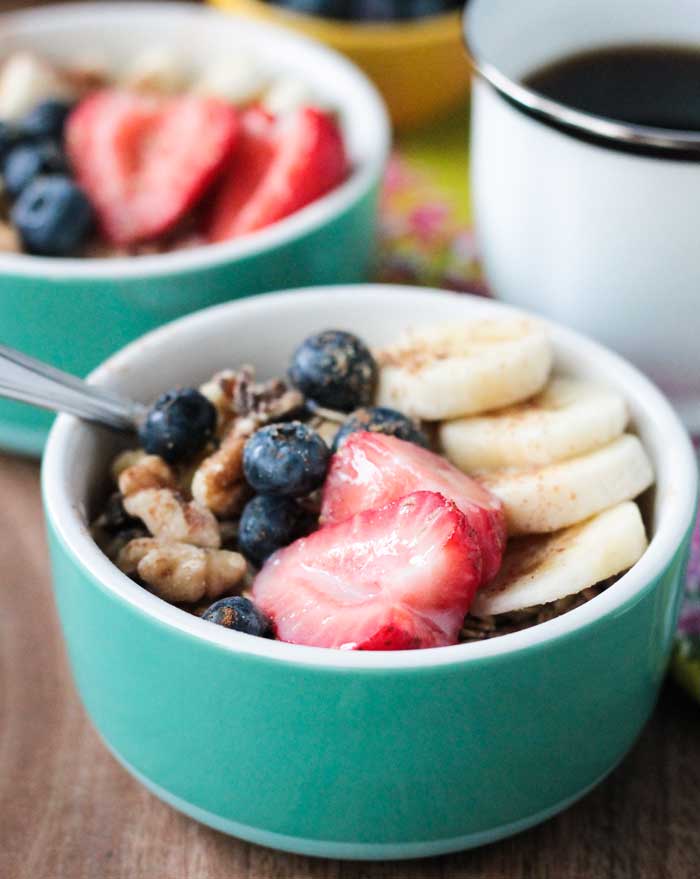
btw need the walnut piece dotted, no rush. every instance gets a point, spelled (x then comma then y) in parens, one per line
(236, 394)
(218, 481)
(168, 516)
(149, 471)
(9, 239)
(219, 391)
(124, 460)
(181, 573)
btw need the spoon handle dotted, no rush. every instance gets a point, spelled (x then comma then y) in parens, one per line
(32, 381)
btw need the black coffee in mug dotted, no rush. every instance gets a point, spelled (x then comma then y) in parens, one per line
(651, 85)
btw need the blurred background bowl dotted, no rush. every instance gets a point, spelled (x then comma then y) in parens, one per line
(419, 66)
(75, 312)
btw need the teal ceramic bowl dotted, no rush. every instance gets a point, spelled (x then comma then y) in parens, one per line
(359, 755)
(74, 313)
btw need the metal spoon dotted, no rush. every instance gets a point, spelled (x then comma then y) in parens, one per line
(32, 381)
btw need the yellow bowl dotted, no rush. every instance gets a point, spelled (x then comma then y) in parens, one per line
(420, 67)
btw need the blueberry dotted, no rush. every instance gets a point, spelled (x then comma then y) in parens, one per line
(370, 10)
(288, 460)
(325, 8)
(381, 420)
(240, 614)
(26, 161)
(426, 8)
(178, 425)
(391, 10)
(46, 120)
(377, 10)
(334, 369)
(53, 216)
(270, 523)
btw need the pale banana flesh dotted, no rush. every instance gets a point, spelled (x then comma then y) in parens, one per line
(555, 453)
(545, 499)
(450, 370)
(539, 569)
(568, 418)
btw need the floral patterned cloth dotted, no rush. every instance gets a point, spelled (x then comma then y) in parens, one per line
(424, 243)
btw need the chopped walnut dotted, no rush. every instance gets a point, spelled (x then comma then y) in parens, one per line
(179, 572)
(185, 471)
(236, 394)
(124, 460)
(218, 482)
(149, 471)
(266, 401)
(219, 391)
(168, 516)
(9, 239)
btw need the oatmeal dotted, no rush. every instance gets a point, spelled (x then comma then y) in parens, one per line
(305, 509)
(155, 157)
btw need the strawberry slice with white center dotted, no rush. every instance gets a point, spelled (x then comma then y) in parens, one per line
(145, 160)
(277, 169)
(395, 578)
(371, 469)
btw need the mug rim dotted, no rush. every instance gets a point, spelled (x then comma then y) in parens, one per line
(64, 511)
(645, 139)
(364, 175)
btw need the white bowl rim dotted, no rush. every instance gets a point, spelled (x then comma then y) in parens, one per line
(367, 174)
(73, 533)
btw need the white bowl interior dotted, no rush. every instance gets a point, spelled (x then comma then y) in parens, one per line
(264, 331)
(116, 32)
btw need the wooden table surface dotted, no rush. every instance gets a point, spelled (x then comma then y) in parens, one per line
(69, 811)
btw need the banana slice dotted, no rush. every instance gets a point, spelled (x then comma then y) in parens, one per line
(450, 370)
(238, 79)
(568, 418)
(545, 499)
(537, 570)
(158, 69)
(25, 80)
(286, 94)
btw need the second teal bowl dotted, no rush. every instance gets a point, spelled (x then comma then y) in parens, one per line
(340, 753)
(74, 313)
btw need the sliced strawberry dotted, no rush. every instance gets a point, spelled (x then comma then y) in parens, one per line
(244, 172)
(143, 160)
(394, 578)
(371, 469)
(275, 172)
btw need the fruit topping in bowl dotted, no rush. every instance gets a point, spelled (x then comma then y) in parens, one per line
(370, 470)
(155, 157)
(396, 576)
(493, 497)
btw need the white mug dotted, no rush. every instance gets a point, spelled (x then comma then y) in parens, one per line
(590, 222)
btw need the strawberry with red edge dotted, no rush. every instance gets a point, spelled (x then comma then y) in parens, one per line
(276, 170)
(243, 173)
(394, 578)
(371, 469)
(145, 161)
